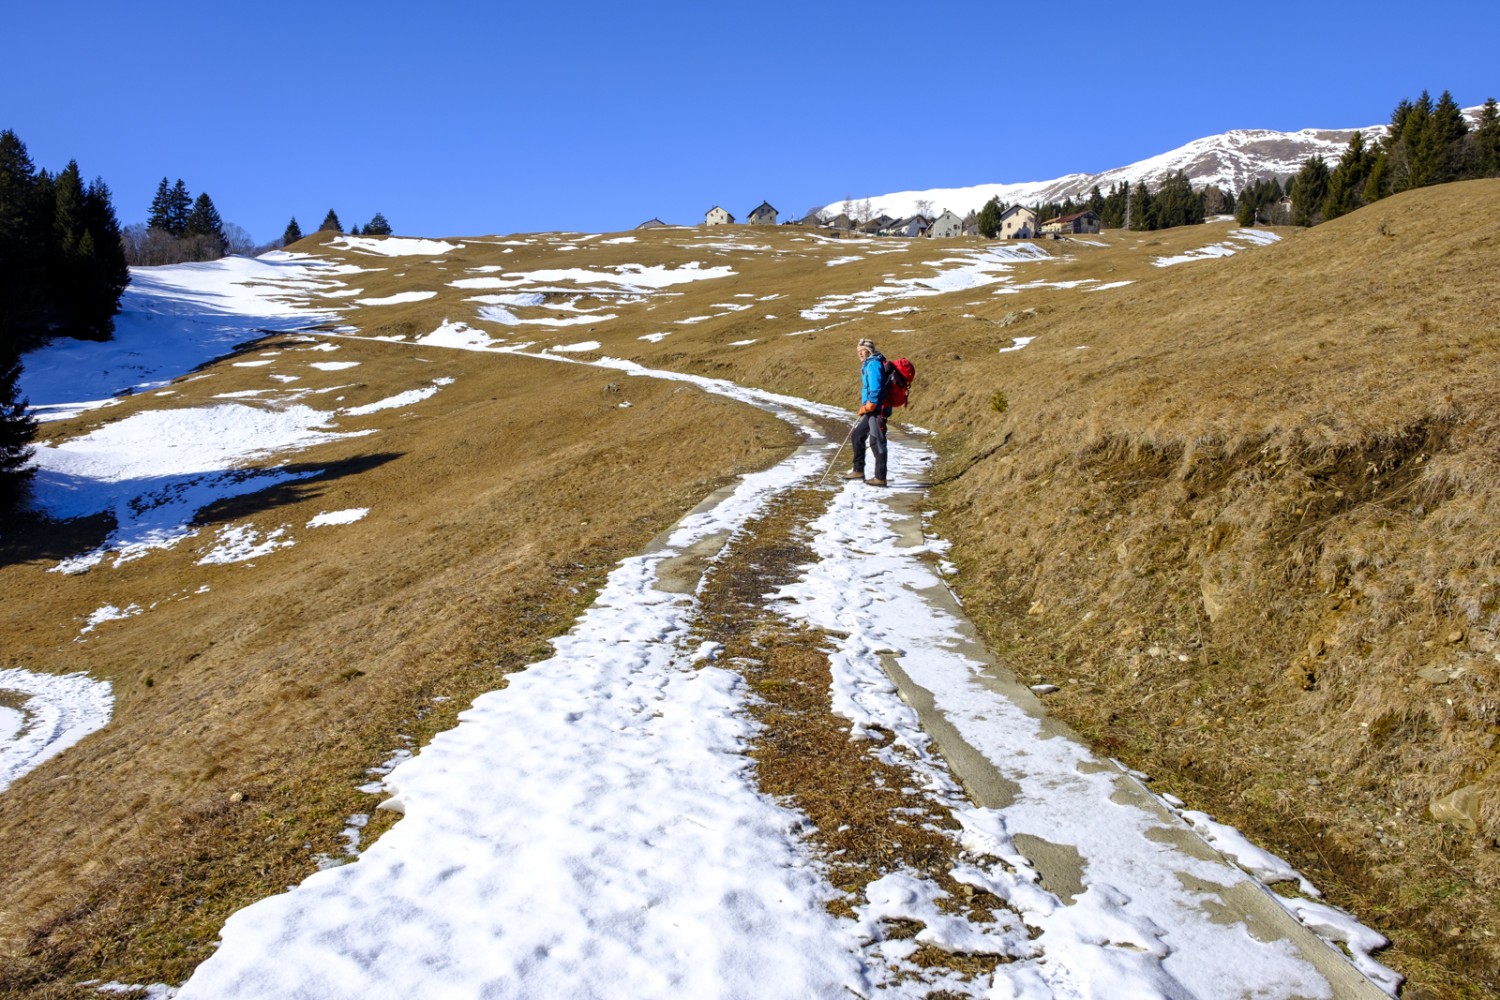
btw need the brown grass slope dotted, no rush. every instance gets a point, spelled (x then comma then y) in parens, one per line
(1253, 530)
(247, 716)
(1240, 510)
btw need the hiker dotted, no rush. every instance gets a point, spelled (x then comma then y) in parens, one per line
(873, 413)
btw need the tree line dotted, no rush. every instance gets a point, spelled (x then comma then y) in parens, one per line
(1428, 142)
(62, 272)
(377, 226)
(1174, 202)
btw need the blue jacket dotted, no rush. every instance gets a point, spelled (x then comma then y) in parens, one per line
(871, 382)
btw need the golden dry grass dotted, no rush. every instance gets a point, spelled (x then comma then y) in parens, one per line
(1238, 510)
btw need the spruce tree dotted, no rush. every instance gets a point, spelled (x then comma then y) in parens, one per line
(23, 236)
(17, 429)
(1487, 141)
(1449, 130)
(179, 207)
(1309, 189)
(206, 228)
(331, 223)
(160, 217)
(110, 274)
(1346, 185)
(293, 233)
(378, 226)
(989, 218)
(354, 231)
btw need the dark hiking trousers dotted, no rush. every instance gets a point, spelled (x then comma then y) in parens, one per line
(871, 427)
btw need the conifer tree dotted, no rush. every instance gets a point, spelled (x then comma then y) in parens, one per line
(179, 207)
(1487, 141)
(23, 235)
(17, 428)
(378, 226)
(293, 233)
(331, 223)
(354, 231)
(989, 218)
(1141, 215)
(206, 227)
(109, 272)
(1346, 185)
(1309, 190)
(1448, 130)
(160, 216)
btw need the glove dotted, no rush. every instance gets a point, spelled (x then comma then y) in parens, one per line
(867, 408)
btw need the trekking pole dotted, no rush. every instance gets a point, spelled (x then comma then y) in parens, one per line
(838, 453)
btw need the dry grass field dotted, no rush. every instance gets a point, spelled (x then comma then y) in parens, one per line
(1241, 511)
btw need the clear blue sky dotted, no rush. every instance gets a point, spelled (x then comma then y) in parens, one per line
(465, 118)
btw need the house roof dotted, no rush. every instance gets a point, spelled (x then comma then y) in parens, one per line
(719, 208)
(652, 224)
(1076, 215)
(765, 206)
(1017, 208)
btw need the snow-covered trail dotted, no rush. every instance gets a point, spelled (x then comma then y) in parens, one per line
(594, 829)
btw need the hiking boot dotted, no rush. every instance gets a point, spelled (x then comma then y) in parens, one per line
(856, 474)
(875, 482)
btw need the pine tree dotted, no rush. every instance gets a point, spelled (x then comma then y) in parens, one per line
(23, 237)
(17, 429)
(1449, 130)
(1142, 216)
(989, 218)
(110, 274)
(160, 217)
(1487, 141)
(179, 207)
(205, 226)
(1309, 189)
(331, 223)
(354, 231)
(1346, 185)
(293, 233)
(378, 226)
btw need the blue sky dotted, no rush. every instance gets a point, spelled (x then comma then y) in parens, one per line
(465, 118)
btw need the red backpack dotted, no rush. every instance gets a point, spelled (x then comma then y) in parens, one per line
(897, 376)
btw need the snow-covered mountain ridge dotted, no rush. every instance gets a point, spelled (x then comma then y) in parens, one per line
(1231, 160)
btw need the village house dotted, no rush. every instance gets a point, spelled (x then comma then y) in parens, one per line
(876, 225)
(946, 225)
(763, 215)
(717, 216)
(1086, 221)
(652, 224)
(840, 221)
(1017, 223)
(915, 226)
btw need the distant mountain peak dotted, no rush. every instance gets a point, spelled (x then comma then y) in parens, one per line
(1232, 160)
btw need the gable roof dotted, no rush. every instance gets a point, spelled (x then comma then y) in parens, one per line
(764, 206)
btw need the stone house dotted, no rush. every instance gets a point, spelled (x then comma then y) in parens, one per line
(1017, 223)
(946, 225)
(717, 216)
(1086, 221)
(763, 215)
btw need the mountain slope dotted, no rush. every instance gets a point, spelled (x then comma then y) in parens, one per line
(1231, 160)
